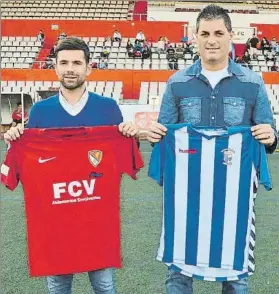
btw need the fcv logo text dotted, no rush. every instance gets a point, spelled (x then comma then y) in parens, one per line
(74, 188)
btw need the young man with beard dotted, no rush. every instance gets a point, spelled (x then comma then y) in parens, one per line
(74, 106)
(213, 92)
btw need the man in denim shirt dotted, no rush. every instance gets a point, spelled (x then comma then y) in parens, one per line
(215, 91)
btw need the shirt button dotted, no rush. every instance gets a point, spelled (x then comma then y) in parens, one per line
(189, 103)
(213, 97)
(212, 117)
(234, 104)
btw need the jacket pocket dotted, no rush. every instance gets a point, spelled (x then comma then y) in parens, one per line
(234, 108)
(191, 109)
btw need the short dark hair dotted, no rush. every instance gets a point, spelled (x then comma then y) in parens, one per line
(73, 43)
(212, 12)
(19, 103)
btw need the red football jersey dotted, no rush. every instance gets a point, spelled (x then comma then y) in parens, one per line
(71, 182)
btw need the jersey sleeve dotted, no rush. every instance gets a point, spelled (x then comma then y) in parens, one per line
(9, 171)
(130, 160)
(156, 164)
(261, 164)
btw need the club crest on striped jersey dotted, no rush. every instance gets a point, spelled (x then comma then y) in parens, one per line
(95, 157)
(228, 156)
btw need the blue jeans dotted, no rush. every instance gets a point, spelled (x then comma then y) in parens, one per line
(177, 283)
(101, 282)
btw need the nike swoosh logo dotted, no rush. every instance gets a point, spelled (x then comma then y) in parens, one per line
(45, 160)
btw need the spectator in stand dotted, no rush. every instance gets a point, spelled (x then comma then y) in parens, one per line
(172, 58)
(274, 67)
(116, 36)
(17, 115)
(130, 48)
(163, 39)
(137, 49)
(62, 35)
(48, 63)
(161, 45)
(41, 36)
(173, 62)
(184, 39)
(52, 51)
(94, 64)
(170, 52)
(102, 64)
(273, 44)
(179, 52)
(247, 45)
(265, 45)
(167, 45)
(189, 49)
(138, 46)
(106, 52)
(247, 59)
(253, 46)
(140, 37)
(270, 56)
(145, 53)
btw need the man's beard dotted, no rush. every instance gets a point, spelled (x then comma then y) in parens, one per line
(72, 86)
(213, 60)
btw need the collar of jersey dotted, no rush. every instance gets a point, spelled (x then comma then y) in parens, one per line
(198, 130)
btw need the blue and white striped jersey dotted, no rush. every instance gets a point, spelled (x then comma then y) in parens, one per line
(210, 177)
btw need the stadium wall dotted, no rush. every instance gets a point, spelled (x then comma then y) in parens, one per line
(131, 78)
(238, 19)
(267, 30)
(92, 28)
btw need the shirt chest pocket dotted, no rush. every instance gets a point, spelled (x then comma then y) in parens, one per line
(234, 108)
(191, 110)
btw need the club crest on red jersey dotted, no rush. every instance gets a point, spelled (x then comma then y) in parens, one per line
(95, 157)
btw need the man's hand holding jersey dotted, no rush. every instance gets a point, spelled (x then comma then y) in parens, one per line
(13, 133)
(155, 132)
(264, 133)
(128, 129)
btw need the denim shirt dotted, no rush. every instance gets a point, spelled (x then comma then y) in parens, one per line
(239, 99)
